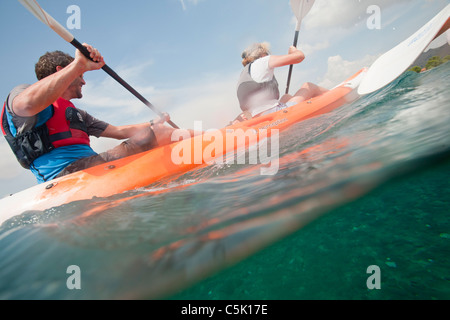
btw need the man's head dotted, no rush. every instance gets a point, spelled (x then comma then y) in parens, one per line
(48, 63)
(52, 62)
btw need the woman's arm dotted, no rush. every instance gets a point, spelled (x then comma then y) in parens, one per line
(293, 57)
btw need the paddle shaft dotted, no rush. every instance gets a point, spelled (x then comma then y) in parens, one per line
(116, 77)
(291, 67)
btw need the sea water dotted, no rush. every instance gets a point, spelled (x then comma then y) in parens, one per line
(359, 209)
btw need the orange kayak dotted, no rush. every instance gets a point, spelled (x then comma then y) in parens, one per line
(143, 169)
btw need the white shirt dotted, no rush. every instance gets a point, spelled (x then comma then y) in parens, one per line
(260, 71)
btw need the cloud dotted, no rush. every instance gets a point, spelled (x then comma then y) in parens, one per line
(213, 102)
(13, 178)
(183, 5)
(344, 14)
(108, 100)
(210, 98)
(8, 163)
(193, 2)
(330, 24)
(339, 69)
(309, 49)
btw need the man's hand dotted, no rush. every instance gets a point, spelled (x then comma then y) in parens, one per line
(96, 63)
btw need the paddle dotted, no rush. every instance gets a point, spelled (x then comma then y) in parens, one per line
(43, 16)
(301, 9)
(393, 63)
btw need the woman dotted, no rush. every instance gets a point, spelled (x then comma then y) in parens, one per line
(257, 88)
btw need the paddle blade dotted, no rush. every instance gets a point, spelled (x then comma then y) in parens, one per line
(301, 8)
(393, 63)
(38, 12)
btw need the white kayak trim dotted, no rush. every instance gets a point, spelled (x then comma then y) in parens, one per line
(395, 62)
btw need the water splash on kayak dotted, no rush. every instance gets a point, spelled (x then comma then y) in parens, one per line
(157, 240)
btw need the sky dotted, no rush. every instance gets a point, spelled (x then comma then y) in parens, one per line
(184, 56)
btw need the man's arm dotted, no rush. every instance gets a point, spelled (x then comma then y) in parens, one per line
(126, 132)
(123, 132)
(43, 93)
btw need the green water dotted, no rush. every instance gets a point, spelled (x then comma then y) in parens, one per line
(403, 227)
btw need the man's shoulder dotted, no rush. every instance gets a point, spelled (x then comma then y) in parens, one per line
(21, 87)
(14, 93)
(18, 90)
(95, 126)
(83, 113)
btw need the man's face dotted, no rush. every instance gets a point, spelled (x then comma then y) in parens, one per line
(75, 88)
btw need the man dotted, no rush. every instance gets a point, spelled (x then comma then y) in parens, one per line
(50, 136)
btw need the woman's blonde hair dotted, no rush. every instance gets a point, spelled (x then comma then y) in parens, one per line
(254, 52)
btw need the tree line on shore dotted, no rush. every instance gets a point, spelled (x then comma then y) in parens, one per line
(433, 62)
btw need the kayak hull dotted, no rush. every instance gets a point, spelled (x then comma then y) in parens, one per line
(143, 169)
